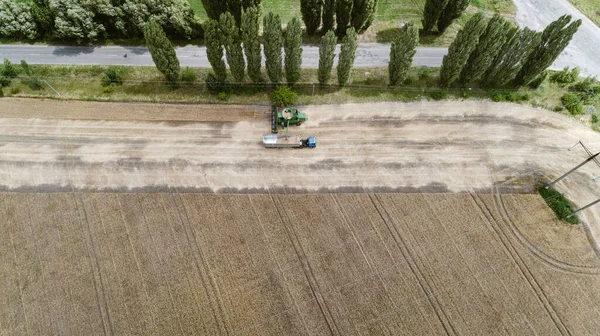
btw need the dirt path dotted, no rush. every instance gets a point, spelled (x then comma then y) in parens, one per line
(424, 146)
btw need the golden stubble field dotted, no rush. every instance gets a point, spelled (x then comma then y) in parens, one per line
(177, 263)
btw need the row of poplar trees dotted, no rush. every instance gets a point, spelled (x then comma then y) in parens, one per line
(494, 53)
(322, 15)
(224, 38)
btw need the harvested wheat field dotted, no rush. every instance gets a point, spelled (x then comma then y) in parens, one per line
(260, 264)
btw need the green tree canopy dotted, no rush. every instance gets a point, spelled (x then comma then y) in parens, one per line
(326, 56)
(554, 40)
(293, 51)
(402, 51)
(162, 51)
(460, 50)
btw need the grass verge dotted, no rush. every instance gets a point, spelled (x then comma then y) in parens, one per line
(590, 8)
(146, 84)
(558, 203)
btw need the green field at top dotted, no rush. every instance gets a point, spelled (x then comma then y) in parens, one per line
(387, 10)
(591, 8)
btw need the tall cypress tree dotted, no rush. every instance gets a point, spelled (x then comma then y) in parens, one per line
(519, 45)
(162, 51)
(230, 37)
(451, 12)
(214, 8)
(44, 16)
(347, 56)
(272, 46)
(326, 56)
(371, 17)
(311, 15)
(250, 29)
(361, 12)
(328, 15)
(293, 50)
(432, 12)
(214, 49)
(343, 15)
(487, 50)
(402, 52)
(459, 51)
(555, 39)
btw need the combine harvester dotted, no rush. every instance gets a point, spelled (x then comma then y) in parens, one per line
(288, 116)
(285, 118)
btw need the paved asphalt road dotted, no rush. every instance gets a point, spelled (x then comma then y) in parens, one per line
(584, 49)
(368, 55)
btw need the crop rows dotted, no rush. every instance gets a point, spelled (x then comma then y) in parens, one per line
(179, 263)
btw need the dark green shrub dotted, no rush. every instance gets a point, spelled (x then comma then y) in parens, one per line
(9, 69)
(499, 97)
(223, 96)
(539, 80)
(213, 84)
(569, 98)
(188, 75)
(558, 108)
(1, 93)
(558, 203)
(439, 94)
(31, 80)
(594, 118)
(566, 75)
(465, 94)
(283, 96)
(572, 103)
(575, 109)
(112, 76)
(15, 90)
(109, 89)
(585, 85)
(5, 81)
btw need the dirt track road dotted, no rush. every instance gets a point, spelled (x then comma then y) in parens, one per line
(424, 146)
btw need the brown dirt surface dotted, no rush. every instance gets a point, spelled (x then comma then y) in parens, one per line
(186, 263)
(77, 110)
(447, 146)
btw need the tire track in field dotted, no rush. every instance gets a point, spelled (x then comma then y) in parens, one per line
(308, 272)
(39, 261)
(514, 254)
(409, 256)
(201, 265)
(160, 263)
(551, 261)
(98, 288)
(15, 263)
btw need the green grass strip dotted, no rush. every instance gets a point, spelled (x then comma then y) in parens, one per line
(558, 203)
